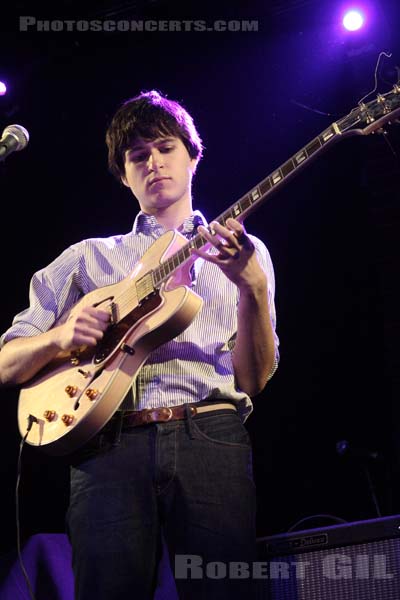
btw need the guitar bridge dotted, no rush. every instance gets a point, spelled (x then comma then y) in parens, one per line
(114, 314)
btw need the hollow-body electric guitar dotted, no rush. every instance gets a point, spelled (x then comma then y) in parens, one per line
(75, 395)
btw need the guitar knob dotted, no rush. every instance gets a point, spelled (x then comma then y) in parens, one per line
(67, 419)
(71, 390)
(49, 415)
(92, 393)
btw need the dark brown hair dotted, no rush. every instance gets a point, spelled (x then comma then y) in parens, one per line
(149, 116)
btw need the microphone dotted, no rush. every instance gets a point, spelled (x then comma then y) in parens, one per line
(14, 138)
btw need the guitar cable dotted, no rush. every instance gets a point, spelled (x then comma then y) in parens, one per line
(383, 53)
(31, 420)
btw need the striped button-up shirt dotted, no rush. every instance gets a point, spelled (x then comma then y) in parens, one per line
(195, 365)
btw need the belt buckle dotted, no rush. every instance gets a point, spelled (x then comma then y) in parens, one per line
(162, 414)
(170, 413)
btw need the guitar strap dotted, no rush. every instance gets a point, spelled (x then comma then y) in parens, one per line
(196, 266)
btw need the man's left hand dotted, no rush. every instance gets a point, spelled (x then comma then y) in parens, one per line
(236, 254)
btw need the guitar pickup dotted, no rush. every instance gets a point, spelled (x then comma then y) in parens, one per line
(145, 288)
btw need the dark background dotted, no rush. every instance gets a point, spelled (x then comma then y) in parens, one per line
(257, 98)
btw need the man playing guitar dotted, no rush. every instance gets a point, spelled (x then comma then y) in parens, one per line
(174, 457)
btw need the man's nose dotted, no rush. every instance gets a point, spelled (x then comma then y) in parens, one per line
(155, 160)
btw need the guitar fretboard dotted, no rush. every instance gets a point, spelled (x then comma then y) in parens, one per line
(249, 202)
(368, 116)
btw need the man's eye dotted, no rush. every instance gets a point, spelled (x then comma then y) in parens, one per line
(165, 149)
(138, 157)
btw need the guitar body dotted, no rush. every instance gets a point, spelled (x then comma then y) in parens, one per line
(76, 394)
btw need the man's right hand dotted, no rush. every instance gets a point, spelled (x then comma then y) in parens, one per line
(85, 326)
(22, 358)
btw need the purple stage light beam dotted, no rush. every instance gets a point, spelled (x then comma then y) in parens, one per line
(3, 88)
(353, 20)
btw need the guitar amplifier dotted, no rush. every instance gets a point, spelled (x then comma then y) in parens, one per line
(354, 561)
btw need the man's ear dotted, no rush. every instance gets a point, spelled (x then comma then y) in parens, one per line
(124, 180)
(193, 163)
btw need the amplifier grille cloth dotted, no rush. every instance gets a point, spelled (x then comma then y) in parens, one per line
(367, 571)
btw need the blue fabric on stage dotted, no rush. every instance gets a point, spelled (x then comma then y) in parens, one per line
(47, 560)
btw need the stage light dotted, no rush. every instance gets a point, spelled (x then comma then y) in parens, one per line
(353, 20)
(3, 88)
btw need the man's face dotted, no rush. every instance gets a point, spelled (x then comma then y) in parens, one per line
(159, 173)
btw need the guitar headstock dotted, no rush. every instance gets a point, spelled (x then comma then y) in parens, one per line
(372, 116)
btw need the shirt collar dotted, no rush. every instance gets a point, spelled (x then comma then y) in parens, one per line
(148, 224)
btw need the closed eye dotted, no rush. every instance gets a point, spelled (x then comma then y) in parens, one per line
(138, 157)
(166, 149)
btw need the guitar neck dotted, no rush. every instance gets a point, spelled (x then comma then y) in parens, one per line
(258, 194)
(364, 119)
(248, 203)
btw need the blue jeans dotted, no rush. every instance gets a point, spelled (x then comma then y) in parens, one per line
(192, 479)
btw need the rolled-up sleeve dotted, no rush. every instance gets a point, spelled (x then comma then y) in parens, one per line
(53, 290)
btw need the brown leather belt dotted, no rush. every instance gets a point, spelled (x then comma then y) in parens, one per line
(173, 413)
